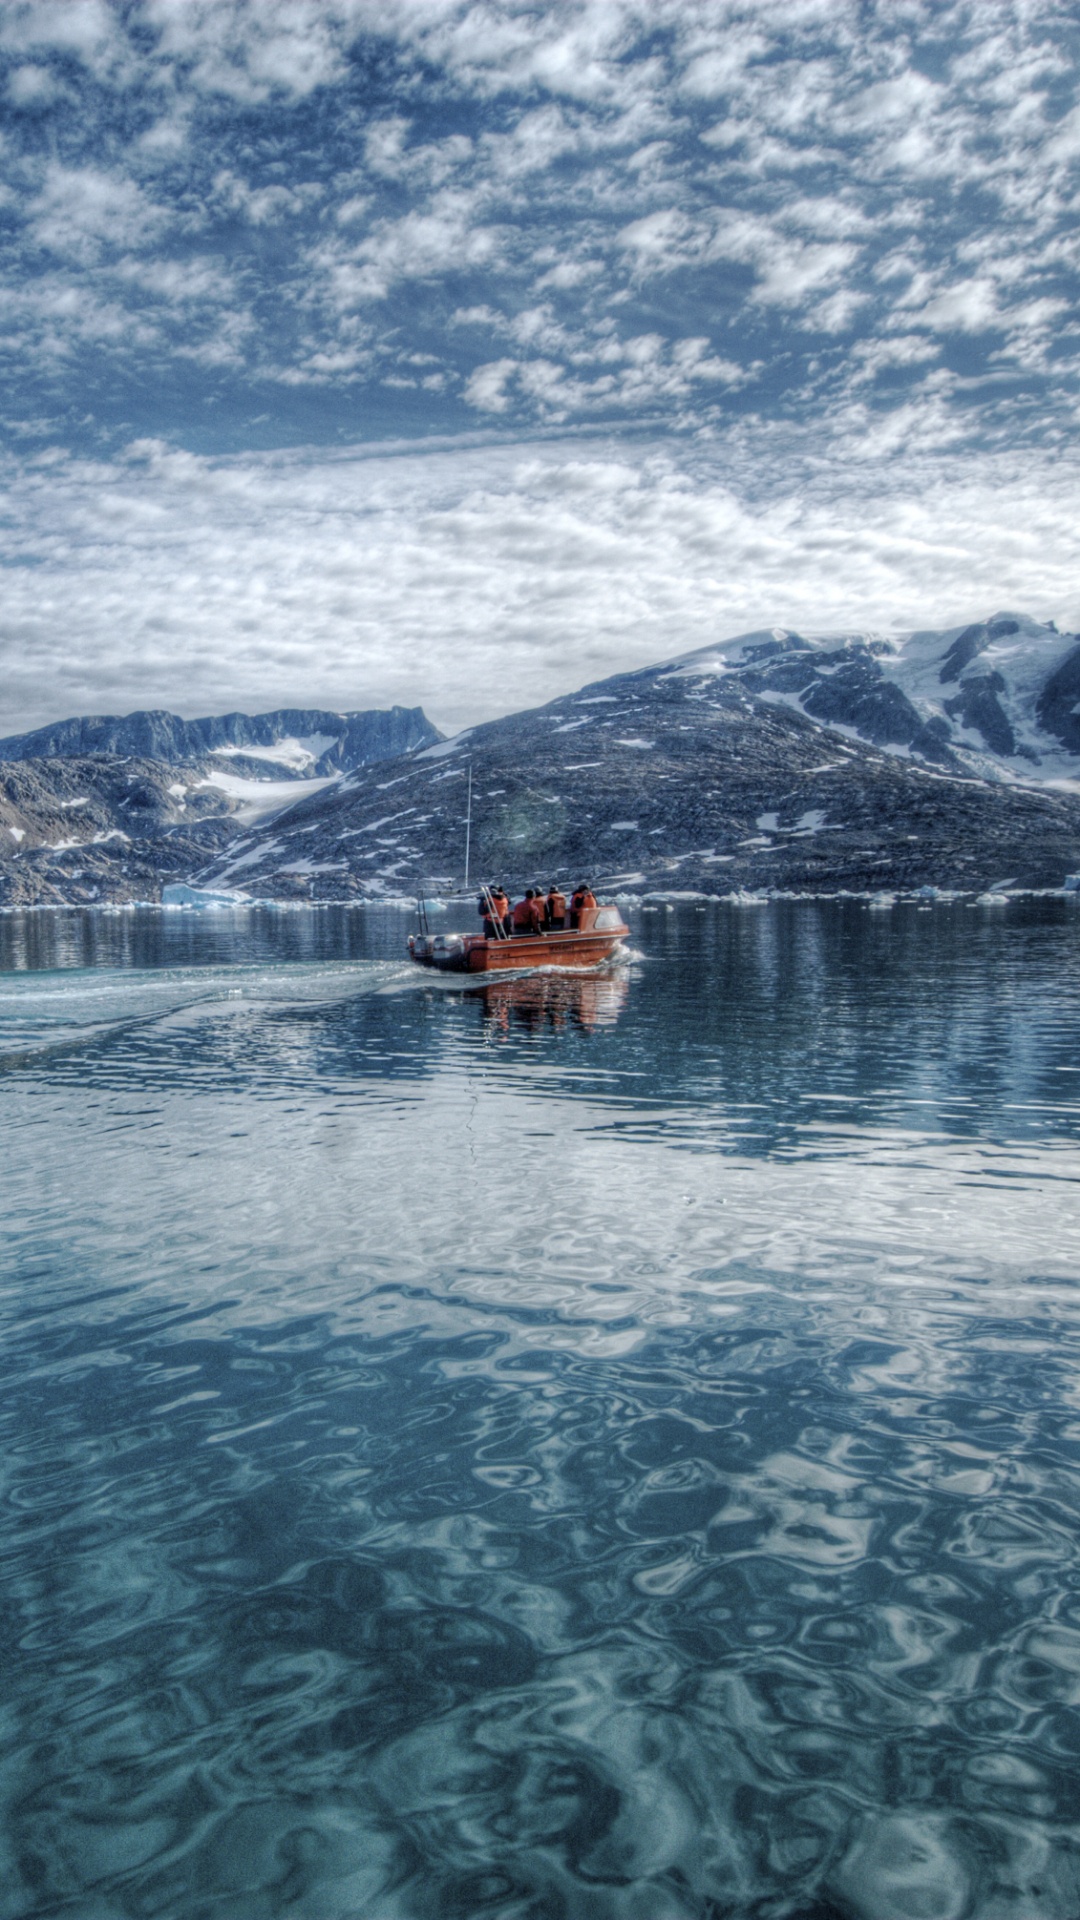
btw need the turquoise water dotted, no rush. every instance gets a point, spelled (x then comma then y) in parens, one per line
(603, 1450)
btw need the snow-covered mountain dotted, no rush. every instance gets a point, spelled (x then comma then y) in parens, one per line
(800, 762)
(110, 808)
(1000, 697)
(289, 743)
(861, 761)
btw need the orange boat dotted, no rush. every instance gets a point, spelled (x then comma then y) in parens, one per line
(597, 936)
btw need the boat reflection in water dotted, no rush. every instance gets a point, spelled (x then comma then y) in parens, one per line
(555, 1000)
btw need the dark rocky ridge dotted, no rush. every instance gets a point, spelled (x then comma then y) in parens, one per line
(843, 686)
(352, 739)
(667, 778)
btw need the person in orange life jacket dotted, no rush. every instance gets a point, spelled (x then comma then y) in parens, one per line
(527, 916)
(583, 897)
(501, 904)
(555, 909)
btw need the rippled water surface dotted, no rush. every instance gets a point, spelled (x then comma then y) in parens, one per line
(598, 1450)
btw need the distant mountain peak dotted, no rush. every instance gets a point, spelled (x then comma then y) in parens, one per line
(994, 696)
(296, 741)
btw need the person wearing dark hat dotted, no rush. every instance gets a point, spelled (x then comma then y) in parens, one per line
(584, 897)
(555, 909)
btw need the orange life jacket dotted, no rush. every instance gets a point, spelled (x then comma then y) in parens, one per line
(526, 917)
(556, 905)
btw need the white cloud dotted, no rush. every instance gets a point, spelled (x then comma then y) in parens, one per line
(789, 272)
(969, 307)
(32, 86)
(570, 273)
(263, 206)
(421, 245)
(179, 282)
(477, 579)
(281, 47)
(719, 71)
(384, 145)
(900, 350)
(79, 211)
(486, 387)
(85, 30)
(836, 314)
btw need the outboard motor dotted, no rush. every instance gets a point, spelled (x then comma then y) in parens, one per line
(448, 950)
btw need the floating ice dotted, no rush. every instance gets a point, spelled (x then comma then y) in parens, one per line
(178, 894)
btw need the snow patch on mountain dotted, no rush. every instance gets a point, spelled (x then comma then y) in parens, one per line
(443, 747)
(261, 799)
(300, 753)
(999, 697)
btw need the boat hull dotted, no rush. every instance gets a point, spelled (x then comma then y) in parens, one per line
(579, 947)
(543, 950)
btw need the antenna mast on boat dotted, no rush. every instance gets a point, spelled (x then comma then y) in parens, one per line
(468, 828)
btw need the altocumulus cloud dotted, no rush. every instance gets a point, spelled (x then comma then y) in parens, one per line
(457, 352)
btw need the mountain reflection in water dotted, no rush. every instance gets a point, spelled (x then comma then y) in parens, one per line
(600, 1449)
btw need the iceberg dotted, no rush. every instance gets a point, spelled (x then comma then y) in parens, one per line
(178, 894)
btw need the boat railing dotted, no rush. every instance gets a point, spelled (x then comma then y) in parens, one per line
(495, 919)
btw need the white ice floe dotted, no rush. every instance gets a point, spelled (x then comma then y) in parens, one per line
(181, 895)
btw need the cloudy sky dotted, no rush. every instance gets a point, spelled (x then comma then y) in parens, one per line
(456, 352)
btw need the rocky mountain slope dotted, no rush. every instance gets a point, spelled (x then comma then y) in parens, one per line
(776, 760)
(290, 743)
(160, 795)
(821, 762)
(105, 828)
